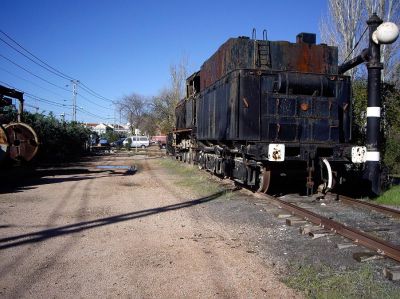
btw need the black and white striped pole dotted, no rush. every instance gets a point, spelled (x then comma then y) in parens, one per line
(378, 34)
(372, 164)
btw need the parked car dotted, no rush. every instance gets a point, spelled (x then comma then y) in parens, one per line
(137, 141)
(160, 140)
(118, 143)
(103, 142)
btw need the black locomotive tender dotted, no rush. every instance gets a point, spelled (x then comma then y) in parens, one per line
(259, 109)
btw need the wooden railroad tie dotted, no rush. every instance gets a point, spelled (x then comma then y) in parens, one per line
(392, 273)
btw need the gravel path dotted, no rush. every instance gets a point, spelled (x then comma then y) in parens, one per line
(87, 232)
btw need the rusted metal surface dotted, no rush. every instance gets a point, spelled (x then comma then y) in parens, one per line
(381, 246)
(303, 57)
(260, 55)
(23, 141)
(379, 208)
(235, 53)
(3, 144)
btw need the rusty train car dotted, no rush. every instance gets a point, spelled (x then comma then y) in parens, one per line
(18, 141)
(259, 110)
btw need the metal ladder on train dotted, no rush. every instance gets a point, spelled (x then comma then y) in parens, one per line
(263, 55)
(261, 50)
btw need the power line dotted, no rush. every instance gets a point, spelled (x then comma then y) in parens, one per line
(32, 96)
(94, 103)
(55, 93)
(49, 68)
(10, 86)
(43, 100)
(28, 71)
(92, 92)
(35, 97)
(90, 113)
(31, 106)
(46, 67)
(33, 83)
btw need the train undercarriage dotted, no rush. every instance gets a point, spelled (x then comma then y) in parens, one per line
(268, 168)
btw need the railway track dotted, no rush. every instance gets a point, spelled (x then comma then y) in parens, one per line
(358, 236)
(361, 203)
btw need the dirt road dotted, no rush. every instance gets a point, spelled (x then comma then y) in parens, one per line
(84, 231)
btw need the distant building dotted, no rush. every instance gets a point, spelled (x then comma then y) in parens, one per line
(122, 129)
(102, 128)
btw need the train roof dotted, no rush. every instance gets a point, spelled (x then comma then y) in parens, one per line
(244, 53)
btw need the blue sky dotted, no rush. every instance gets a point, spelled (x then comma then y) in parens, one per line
(120, 47)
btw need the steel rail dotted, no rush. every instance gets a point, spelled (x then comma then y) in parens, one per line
(378, 208)
(381, 246)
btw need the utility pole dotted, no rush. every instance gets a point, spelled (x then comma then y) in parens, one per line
(74, 93)
(114, 120)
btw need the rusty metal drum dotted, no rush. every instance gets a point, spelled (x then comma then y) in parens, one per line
(23, 141)
(3, 144)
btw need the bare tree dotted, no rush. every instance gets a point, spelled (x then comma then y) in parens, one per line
(341, 27)
(163, 105)
(134, 108)
(164, 110)
(388, 10)
(346, 22)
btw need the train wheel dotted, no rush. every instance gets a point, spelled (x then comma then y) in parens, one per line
(264, 180)
(327, 176)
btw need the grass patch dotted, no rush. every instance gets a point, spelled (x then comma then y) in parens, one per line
(324, 282)
(190, 177)
(390, 197)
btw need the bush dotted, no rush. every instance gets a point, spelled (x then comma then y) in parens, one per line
(390, 123)
(59, 141)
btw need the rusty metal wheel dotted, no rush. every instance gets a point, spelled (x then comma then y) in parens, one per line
(23, 141)
(4, 145)
(264, 180)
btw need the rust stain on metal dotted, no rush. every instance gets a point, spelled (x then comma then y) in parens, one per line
(246, 104)
(309, 59)
(304, 106)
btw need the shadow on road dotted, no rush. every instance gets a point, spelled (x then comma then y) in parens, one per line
(31, 179)
(43, 235)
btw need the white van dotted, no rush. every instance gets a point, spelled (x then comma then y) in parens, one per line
(137, 141)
